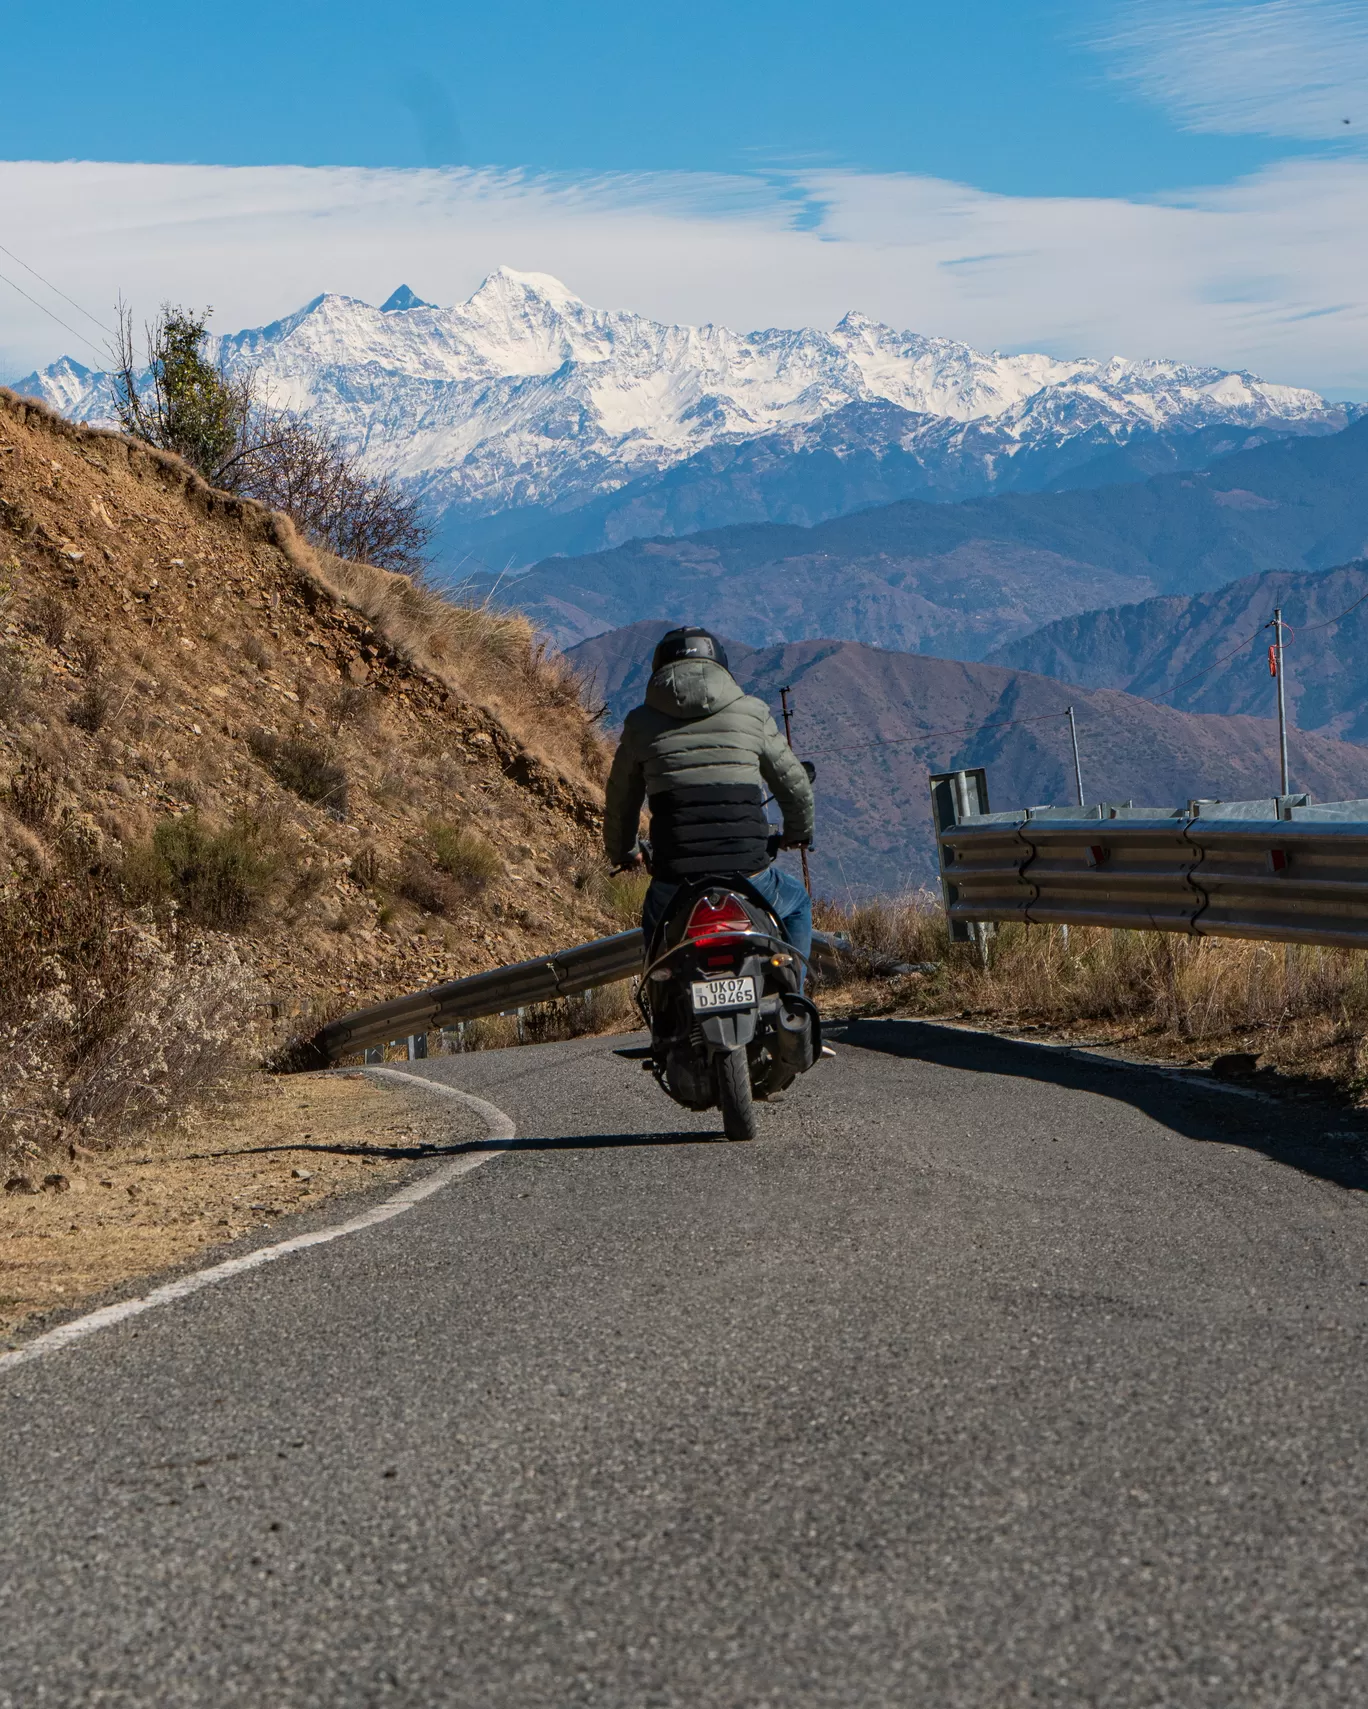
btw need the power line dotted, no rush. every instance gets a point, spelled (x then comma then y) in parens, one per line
(51, 287)
(1305, 629)
(1308, 627)
(102, 354)
(1238, 647)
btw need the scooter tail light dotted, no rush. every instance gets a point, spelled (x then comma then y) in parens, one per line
(710, 920)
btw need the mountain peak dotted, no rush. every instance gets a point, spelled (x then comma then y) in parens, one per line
(398, 301)
(506, 282)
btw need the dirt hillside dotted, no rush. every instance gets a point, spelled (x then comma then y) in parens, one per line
(237, 773)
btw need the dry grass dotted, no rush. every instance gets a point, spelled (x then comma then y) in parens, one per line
(463, 855)
(491, 658)
(1303, 1011)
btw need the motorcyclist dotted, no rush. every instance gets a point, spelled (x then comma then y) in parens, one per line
(703, 752)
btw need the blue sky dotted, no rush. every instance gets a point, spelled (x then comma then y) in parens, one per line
(1015, 96)
(1168, 177)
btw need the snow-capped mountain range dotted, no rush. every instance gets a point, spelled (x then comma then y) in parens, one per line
(534, 423)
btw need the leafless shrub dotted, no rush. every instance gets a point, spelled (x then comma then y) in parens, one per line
(304, 767)
(420, 882)
(306, 471)
(255, 653)
(344, 705)
(188, 1019)
(49, 619)
(88, 653)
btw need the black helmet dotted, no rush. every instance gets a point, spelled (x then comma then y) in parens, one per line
(687, 643)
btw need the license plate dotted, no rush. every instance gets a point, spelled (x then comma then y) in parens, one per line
(723, 993)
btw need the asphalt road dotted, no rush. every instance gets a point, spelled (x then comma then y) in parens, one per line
(986, 1377)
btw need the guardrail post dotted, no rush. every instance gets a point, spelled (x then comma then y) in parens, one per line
(375, 1053)
(956, 796)
(417, 1046)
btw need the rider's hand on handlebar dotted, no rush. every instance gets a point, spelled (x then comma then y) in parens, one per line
(633, 863)
(794, 843)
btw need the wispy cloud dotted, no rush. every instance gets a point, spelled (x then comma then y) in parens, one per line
(1283, 68)
(1269, 274)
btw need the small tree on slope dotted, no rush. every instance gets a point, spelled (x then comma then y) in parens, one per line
(219, 423)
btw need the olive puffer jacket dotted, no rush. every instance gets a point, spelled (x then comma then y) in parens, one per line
(701, 748)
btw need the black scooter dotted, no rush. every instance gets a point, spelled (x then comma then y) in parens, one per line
(721, 994)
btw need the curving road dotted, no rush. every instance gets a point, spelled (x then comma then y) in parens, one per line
(989, 1376)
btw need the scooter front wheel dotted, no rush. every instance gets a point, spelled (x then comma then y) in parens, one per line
(734, 1094)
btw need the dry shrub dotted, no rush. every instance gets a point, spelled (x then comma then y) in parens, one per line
(189, 1020)
(108, 1021)
(90, 711)
(13, 681)
(905, 928)
(620, 894)
(49, 619)
(219, 879)
(304, 767)
(33, 795)
(418, 881)
(623, 894)
(345, 705)
(254, 651)
(304, 470)
(365, 865)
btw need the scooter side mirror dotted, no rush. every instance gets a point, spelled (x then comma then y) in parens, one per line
(811, 771)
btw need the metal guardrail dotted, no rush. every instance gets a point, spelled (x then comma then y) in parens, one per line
(602, 962)
(568, 974)
(1280, 868)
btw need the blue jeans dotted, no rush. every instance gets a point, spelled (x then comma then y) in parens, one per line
(784, 893)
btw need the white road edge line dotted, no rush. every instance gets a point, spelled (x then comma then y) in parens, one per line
(499, 1127)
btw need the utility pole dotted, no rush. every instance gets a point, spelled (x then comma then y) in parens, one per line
(1276, 665)
(1078, 769)
(788, 737)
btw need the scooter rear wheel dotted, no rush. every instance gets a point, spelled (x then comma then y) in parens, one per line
(734, 1094)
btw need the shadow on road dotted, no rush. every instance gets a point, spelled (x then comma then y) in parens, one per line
(522, 1142)
(1304, 1131)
